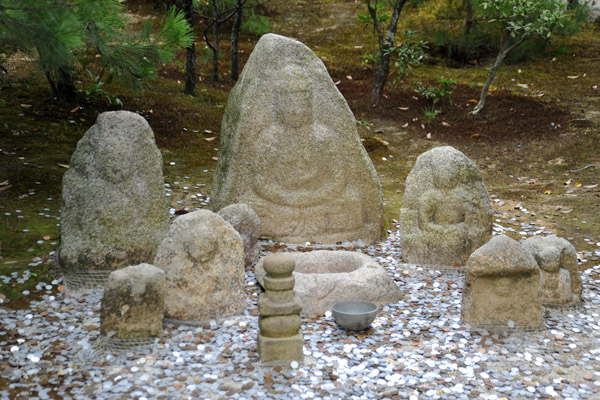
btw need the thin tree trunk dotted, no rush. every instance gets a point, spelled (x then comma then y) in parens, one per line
(504, 50)
(235, 39)
(190, 61)
(383, 68)
(469, 18)
(215, 71)
(64, 84)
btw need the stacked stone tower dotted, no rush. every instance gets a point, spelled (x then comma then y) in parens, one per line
(279, 337)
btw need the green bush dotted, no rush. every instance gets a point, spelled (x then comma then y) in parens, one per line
(70, 38)
(255, 24)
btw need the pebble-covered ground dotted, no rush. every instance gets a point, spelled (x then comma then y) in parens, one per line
(416, 349)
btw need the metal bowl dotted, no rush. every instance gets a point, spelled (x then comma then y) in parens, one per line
(354, 315)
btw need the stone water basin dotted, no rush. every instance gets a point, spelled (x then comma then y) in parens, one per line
(326, 277)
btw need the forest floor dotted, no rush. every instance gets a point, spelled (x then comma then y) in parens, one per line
(536, 142)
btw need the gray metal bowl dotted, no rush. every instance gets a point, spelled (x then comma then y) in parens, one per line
(354, 315)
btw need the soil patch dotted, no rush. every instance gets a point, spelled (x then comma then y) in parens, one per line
(506, 118)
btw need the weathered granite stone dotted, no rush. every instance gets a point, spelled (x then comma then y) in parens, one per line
(291, 151)
(114, 211)
(446, 211)
(324, 278)
(245, 221)
(594, 10)
(559, 275)
(279, 322)
(203, 258)
(502, 287)
(133, 303)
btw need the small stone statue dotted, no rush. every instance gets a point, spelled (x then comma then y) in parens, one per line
(133, 303)
(559, 276)
(502, 287)
(279, 337)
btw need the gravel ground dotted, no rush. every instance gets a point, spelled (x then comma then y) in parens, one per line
(417, 348)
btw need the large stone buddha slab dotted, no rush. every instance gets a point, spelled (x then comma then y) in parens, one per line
(291, 151)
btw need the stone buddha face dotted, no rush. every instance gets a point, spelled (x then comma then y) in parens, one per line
(306, 171)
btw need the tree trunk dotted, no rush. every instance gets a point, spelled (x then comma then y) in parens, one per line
(380, 77)
(383, 69)
(504, 50)
(469, 18)
(190, 61)
(215, 71)
(65, 87)
(235, 39)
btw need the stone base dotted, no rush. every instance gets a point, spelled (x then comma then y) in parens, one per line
(556, 288)
(280, 349)
(494, 301)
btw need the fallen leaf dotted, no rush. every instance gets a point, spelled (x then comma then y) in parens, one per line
(64, 165)
(395, 220)
(26, 105)
(60, 288)
(578, 184)
(423, 126)
(428, 136)
(403, 108)
(547, 191)
(210, 139)
(405, 125)
(348, 77)
(75, 109)
(215, 158)
(472, 101)
(383, 142)
(567, 182)
(444, 123)
(476, 135)
(590, 186)
(566, 211)
(4, 183)
(46, 237)
(207, 131)
(572, 76)
(337, 83)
